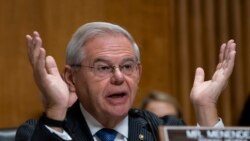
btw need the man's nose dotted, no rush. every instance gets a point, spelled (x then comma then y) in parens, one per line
(117, 77)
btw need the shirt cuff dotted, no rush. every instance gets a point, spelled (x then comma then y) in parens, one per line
(64, 135)
(219, 124)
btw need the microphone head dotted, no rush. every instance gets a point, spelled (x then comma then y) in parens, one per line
(134, 112)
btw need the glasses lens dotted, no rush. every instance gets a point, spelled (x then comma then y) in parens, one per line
(128, 68)
(102, 70)
(105, 70)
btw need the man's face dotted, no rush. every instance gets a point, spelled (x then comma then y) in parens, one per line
(106, 95)
(162, 108)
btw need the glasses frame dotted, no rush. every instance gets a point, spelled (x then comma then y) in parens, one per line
(113, 68)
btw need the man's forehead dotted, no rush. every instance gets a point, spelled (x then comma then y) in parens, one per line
(109, 44)
(108, 38)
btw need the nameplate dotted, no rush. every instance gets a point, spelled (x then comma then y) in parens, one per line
(174, 133)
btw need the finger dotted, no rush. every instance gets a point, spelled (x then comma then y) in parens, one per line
(37, 44)
(39, 68)
(29, 41)
(29, 45)
(51, 66)
(231, 48)
(228, 48)
(221, 56)
(34, 43)
(222, 50)
(230, 63)
(199, 76)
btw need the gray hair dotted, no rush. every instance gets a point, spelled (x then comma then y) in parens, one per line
(74, 54)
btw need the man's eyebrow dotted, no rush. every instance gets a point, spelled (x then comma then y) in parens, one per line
(129, 59)
(102, 60)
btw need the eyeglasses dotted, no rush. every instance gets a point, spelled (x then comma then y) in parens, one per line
(105, 70)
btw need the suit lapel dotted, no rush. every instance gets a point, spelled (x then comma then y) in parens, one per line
(77, 126)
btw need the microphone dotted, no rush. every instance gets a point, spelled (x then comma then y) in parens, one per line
(135, 112)
(140, 113)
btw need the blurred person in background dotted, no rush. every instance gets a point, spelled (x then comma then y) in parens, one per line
(161, 104)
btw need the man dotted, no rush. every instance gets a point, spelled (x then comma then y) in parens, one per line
(100, 80)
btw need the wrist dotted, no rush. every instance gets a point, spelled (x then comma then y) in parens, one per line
(56, 113)
(56, 124)
(206, 115)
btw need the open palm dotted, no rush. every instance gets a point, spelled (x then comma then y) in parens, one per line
(204, 94)
(54, 90)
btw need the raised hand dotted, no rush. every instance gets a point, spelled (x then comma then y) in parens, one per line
(204, 94)
(56, 95)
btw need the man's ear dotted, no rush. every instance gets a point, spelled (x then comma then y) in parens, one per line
(69, 78)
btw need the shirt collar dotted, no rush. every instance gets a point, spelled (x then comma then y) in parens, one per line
(95, 126)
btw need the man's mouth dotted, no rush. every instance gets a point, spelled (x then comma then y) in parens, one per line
(117, 95)
(117, 98)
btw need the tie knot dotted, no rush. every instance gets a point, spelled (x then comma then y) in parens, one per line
(106, 134)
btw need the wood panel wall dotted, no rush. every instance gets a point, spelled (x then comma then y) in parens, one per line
(198, 28)
(56, 20)
(175, 37)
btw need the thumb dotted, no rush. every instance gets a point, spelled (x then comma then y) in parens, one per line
(199, 76)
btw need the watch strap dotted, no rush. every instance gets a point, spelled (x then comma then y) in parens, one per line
(52, 122)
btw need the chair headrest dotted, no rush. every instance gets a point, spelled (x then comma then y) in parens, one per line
(7, 134)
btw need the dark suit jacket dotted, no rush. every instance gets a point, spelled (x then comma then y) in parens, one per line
(140, 123)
